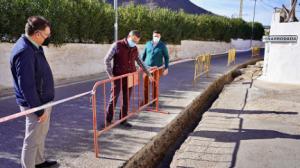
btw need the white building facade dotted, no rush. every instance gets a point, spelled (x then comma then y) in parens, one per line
(282, 52)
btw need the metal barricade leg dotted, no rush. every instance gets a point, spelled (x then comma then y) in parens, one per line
(157, 89)
(146, 89)
(157, 74)
(96, 147)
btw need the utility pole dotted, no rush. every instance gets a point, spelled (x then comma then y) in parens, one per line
(241, 9)
(253, 23)
(116, 19)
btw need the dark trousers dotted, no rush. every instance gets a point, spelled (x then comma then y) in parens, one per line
(115, 92)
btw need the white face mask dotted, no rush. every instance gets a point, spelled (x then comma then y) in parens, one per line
(156, 39)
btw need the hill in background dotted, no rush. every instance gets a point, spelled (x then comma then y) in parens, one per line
(174, 5)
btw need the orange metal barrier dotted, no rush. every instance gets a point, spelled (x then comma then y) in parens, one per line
(255, 51)
(202, 66)
(231, 57)
(133, 83)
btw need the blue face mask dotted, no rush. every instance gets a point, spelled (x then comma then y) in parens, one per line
(131, 43)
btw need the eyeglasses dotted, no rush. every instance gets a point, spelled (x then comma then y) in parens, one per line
(44, 35)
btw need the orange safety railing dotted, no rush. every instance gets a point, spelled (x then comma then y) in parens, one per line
(132, 82)
(231, 57)
(255, 51)
(202, 66)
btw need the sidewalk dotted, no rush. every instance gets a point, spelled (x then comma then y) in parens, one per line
(252, 124)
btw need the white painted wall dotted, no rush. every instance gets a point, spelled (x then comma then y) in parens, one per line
(67, 61)
(191, 49)
(241, 44)
(5, 75)
(75, 60)
(282, 60)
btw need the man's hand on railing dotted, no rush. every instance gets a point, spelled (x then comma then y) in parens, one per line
(166, 71)
(151, 78)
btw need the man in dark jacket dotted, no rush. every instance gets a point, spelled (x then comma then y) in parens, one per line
(124, 54)
(34, 86)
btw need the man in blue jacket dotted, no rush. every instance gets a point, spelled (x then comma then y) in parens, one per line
(155, 55)
(34, 86)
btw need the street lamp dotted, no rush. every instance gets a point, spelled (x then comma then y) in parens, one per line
(241, 9)
(253, 23)
(116, 19)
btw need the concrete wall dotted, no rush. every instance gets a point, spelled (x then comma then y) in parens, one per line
(282, 60)
(75, 60)
(191, 49)
(5, 75)
(241, 44)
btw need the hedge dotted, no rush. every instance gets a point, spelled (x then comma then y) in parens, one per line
(91, 21)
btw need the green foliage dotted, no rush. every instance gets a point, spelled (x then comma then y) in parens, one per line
(91, 21)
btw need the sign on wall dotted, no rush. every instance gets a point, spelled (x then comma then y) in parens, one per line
(281, 38)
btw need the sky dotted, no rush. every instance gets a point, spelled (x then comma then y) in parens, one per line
(231, 8)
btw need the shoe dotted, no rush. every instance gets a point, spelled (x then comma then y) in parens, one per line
(46, 164)
(153, 104)
(126, 124)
